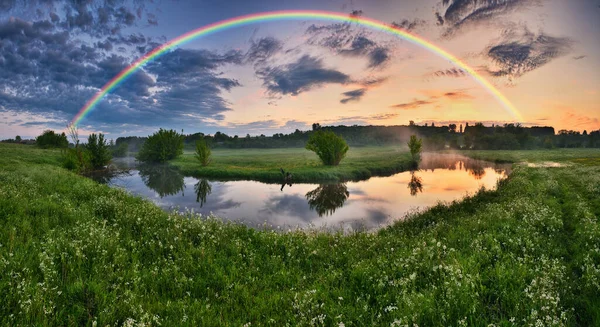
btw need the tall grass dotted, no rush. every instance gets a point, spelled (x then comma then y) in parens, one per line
(73, 252)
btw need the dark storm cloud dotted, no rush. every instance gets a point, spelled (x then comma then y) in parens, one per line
(263, 49)
(524, 51)
(300, 76)
(346, 39)
(45, 71)
(456, 13)
(93, 17)
(353, 95)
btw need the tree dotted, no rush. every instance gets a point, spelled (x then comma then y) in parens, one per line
(461, 130)
(316, 126)
(452, 128)
(415, 145)
(411, 123)
(330, 147)
(18, 139)
(99, 152)
(50, 139)
(161, 146)
(202, 152)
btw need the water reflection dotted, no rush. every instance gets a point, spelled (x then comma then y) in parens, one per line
(327, 197)
(365, 204)
(163, 179)
(202, 189)
(416, 183)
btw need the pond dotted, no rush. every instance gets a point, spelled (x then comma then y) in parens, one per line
(368, 204)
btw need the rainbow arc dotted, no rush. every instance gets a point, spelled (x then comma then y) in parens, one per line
(290, 15)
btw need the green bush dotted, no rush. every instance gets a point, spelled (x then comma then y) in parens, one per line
(202, 152)
(330, 147)
(415, 145)
(98, 150)
(161, 146)
(76, 160)
(50, 139)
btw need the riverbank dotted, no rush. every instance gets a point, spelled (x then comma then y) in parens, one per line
(265, 164)
(74, 252)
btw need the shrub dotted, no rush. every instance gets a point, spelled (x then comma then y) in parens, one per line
(202, 152)
(50, 139)
(330, 147)
(161, 146)
(76, 160)
(415, 145)
(98, 150)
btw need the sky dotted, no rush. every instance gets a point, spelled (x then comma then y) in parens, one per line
(278, 76)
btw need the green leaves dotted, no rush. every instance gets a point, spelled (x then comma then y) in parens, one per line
(415, 145)
(98, 150)
(161, 146)
(202, 152)
(330, 147)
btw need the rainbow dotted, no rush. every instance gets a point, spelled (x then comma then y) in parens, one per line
(288, 15)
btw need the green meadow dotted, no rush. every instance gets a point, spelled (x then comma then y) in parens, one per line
(77, 253)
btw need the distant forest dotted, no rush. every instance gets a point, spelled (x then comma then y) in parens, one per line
(478, 136)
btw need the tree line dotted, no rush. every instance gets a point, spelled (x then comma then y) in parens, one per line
(478, 136)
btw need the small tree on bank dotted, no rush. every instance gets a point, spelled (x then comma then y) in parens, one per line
(202, 152)
(161, 146)
(330, 147)
(99, 152)
(415, 145)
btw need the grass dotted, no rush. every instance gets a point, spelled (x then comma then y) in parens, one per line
(555, 155)
(264, 164)
(76, 253)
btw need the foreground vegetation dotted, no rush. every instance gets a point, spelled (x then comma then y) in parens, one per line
(73, 252)
(265, 164)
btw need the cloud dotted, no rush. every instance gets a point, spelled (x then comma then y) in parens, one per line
(92, 17)
(354, 95)
(434, 97)
(574, 119)
(458, 13)
(452, 72)
(263, 49)
(457, 95)
(523, 51)
(302, 75)
(412, 105)
(409, 25)
(47, 70)
(579, 57)
(345, 39)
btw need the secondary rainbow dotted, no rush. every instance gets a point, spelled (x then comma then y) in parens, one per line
(289, 15)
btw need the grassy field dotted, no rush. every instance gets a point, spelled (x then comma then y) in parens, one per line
(265, 164)
(555, 155)
(360, 163)
(76, 253)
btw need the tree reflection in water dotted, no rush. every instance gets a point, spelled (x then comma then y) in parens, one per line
(163, 179)
(203, 189)
(416, 184)
(326, 198)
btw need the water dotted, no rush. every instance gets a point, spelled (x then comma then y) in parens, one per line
(368, 204)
